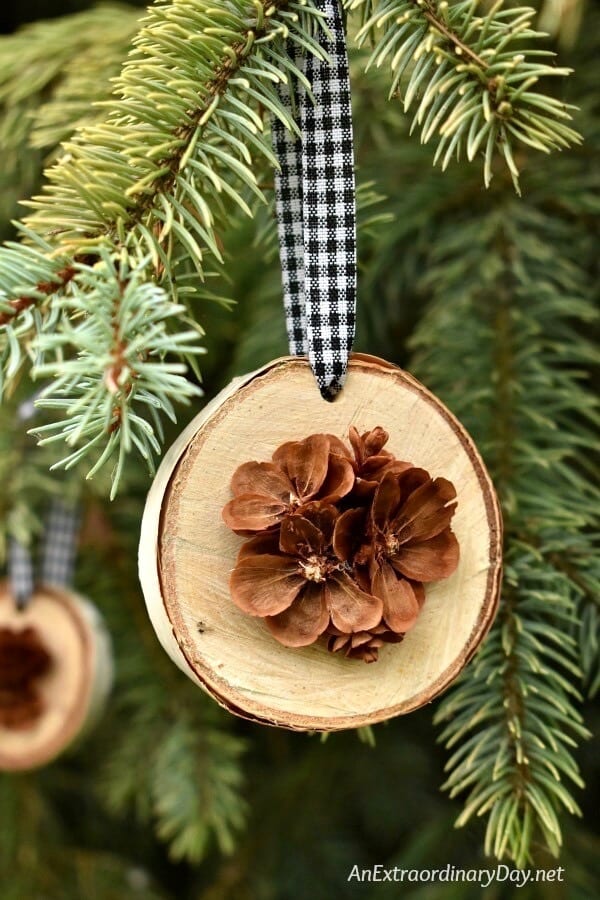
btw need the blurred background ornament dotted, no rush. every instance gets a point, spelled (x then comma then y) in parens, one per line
(55, 654)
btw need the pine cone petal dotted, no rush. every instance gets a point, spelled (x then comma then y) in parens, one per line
(306, 463)
(323, 516)
(429, 560)
(400, 604)
(360, 638)
(386, 501)
(348, 533)
(338, 447)
(304, 621)
(425, 514)
(339, 480)
(375, 440)
(364, 645)
(419, 591)
(350, 608)
(298, 536)
(23, 660)
(262, 478)
(265, 585)
(20, 710)
(264, 542)
(412, 479)
(253, 512)
(373, 466)
(22, 657)
(423, 526)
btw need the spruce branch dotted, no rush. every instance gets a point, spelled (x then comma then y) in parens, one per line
(115, 366)
(50, 74)
(505, 329)
(178, 150)
(56, 280)
(187, 110)
(470, 77)
(190, 787)
(154, 183)
(36, 859)
(26, 482)
(88, 65)
(196, 786)
(30, 276)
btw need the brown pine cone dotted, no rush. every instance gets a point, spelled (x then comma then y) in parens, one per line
(297, 581)
(300, 472)
(23, 661)
(342, 541)
(363, 644)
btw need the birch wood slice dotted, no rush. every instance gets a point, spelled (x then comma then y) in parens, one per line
(74, 689)
(187, 553)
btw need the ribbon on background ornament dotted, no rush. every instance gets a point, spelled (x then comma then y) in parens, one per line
(55, 655)
(58, 555)
(316, 207)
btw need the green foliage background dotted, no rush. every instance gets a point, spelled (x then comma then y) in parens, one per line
(490, 300)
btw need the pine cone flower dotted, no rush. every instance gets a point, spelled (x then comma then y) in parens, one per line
(23, 661)
(369, 460)
(301, 472)
(299, 581)
(363, 645)
(410, 542)
(342, 541)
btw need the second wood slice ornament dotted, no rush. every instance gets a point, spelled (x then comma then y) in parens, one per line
(188, 553)
(288, 539)
(55, 653)
(55, 675)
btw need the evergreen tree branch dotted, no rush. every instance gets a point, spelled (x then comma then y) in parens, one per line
(121, 375)
(182, 132)
(470, 77)
(165, 756)
(153, 194)
(50, 74)
(39, 859)
(190, 786)
(74, 100)
(505, 329)
(156, 181)
(56, 281)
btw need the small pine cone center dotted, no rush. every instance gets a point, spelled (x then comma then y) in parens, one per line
(314, 569)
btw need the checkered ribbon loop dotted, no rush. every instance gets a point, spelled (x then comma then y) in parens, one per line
(58, 555)
(316, 209)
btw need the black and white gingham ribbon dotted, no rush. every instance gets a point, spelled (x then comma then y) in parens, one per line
(60, 542)
(60, 545)
(20, 572)
(58, 555)
(316, 210)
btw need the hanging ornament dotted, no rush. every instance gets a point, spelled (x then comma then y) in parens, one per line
(296, 531)
(55, 656)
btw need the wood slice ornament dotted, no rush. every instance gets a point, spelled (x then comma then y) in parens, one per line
(324, 556)
(187, 553)
(70, 678)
